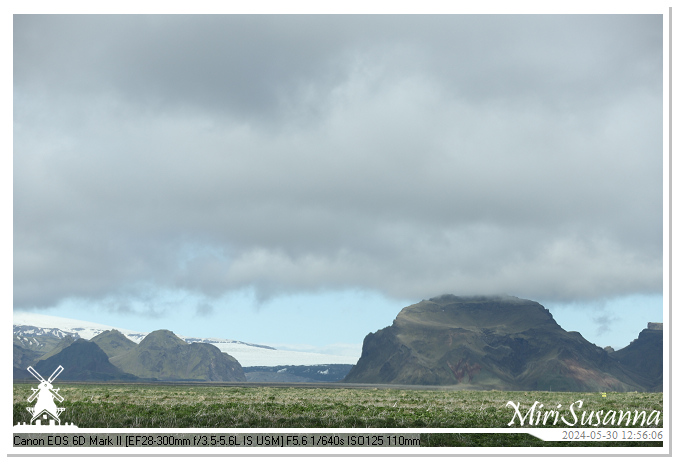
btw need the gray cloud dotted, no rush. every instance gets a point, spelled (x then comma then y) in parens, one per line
(204, 310)
(411, 155)
(604, 322)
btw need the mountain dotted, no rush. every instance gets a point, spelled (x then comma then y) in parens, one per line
(487, 342)
(65, 342)
(28, 324)
(82, 360)
(38, 339)
(162, 355)
(113, 342)
(42, 332)
(23, 357)
(644, 357)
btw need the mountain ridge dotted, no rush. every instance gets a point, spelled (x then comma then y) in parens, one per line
(27, 325)
(83, 360)
(162, 355)
(487, 342)
(482, 342)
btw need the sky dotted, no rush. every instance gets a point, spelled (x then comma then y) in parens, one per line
(297, 180)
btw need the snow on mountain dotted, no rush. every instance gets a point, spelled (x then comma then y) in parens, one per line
(86, 330)
(247, 354)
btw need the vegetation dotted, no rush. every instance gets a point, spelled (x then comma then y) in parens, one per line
(210, 406)
(86, 361)
(501, 343)
(164, 356)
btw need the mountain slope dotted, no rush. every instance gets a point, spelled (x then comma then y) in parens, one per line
(113, 342)
(38, 339)
(43, 332)
(503, 343)
(82, 360)
(65, 342)
(23, 357)
(644, 357)
(164, 356)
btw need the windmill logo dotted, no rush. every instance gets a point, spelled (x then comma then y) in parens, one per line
(45, 408)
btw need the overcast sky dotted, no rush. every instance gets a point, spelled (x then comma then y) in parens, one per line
(214, 168)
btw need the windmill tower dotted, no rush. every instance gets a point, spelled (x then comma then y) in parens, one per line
(45, 407)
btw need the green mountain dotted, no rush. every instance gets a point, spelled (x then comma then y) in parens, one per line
(487, 342)
(162, 355)
(82, 360)
(23, 357)
(113, 343)
(63, 343)
(31, 344)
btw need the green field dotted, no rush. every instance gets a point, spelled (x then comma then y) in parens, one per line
(208, 406)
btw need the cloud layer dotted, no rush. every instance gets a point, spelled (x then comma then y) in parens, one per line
(413, 156)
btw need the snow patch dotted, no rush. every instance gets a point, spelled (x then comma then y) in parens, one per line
(247, 354)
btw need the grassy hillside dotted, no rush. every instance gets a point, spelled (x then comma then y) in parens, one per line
(164, 356)
(82, 360)
(113, 343)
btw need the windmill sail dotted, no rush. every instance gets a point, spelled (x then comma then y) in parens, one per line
(55, 374)
(56, 395)
(34, 394)
(36, 374)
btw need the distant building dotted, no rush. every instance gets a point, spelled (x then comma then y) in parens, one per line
(655, 326)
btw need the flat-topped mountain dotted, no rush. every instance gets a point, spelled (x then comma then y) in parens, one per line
(644, 357)
(487, 342)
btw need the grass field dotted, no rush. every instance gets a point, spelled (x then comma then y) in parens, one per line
(206, 406)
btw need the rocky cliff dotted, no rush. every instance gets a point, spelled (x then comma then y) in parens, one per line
(488, 342)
